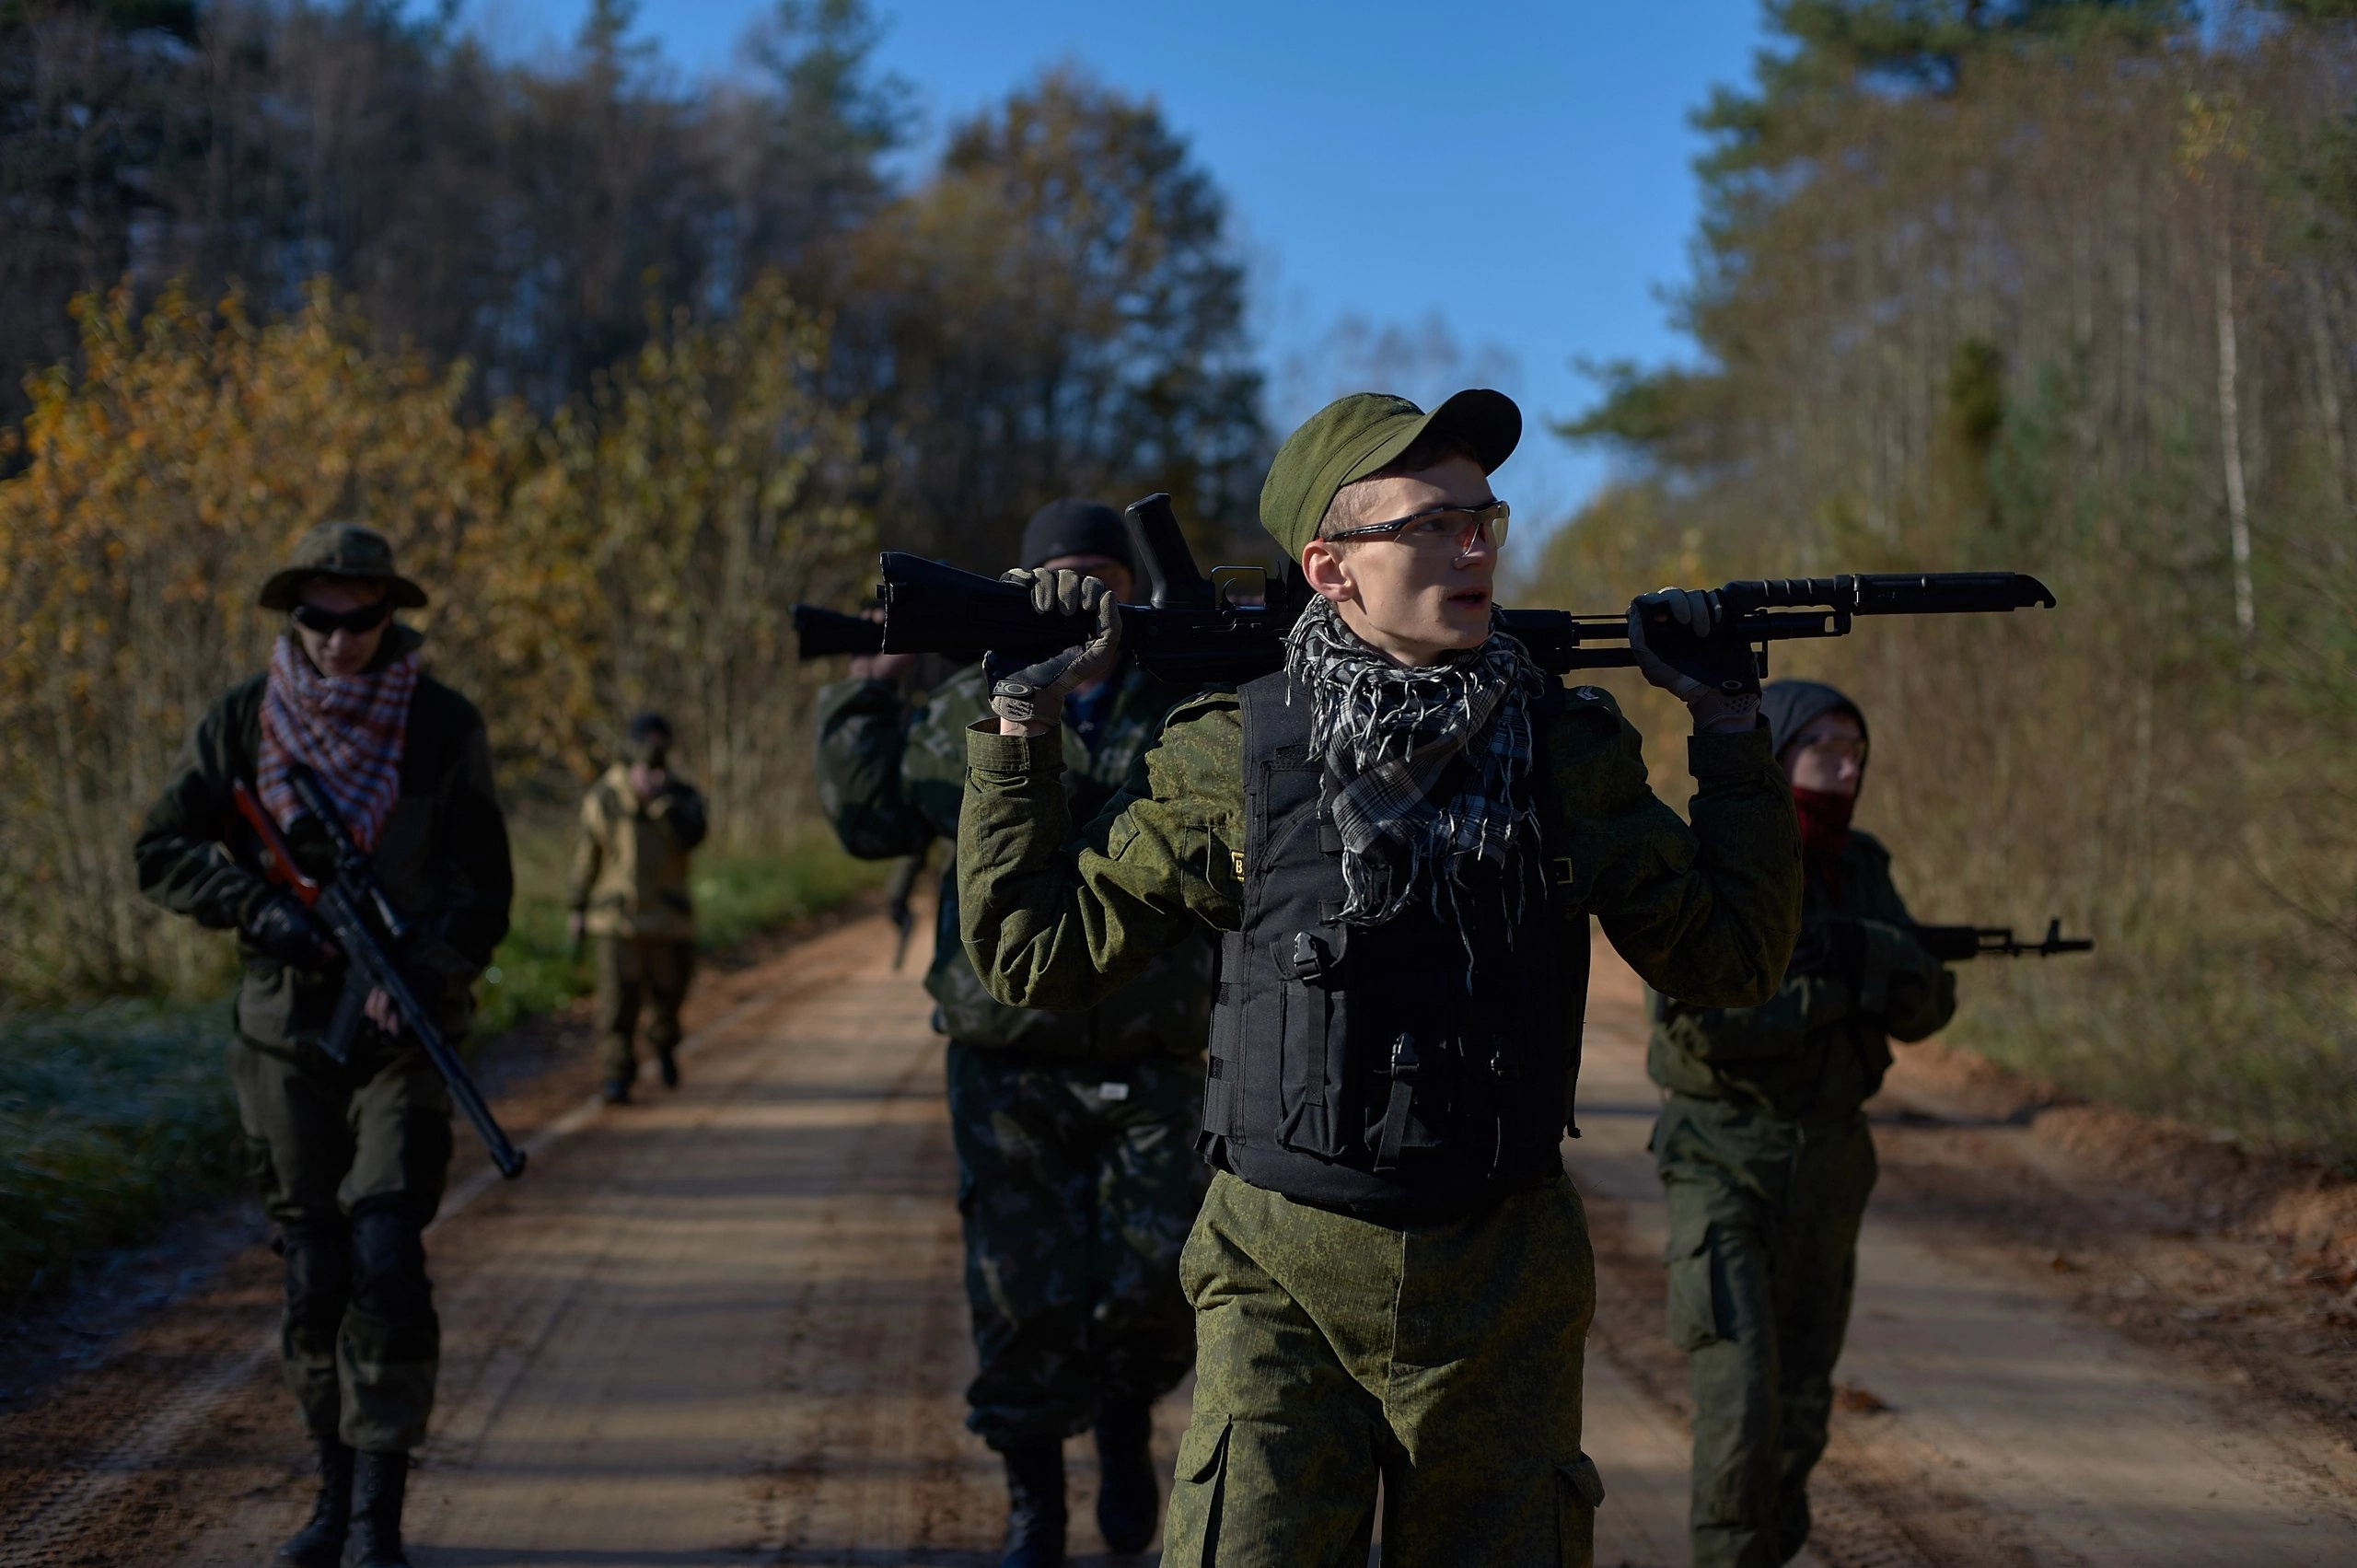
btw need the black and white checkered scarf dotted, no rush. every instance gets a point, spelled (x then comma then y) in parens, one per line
(1389, 736)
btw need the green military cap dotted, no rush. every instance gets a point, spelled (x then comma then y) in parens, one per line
(339, 550)
(1353, 438)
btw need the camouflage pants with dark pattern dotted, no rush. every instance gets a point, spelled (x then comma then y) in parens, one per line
(1078, 1183)
(350, 1163)
(1442, 1359)
(1763, 1250)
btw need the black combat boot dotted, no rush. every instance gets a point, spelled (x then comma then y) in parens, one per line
(1035, 1511)
(1127, 1499)
(379, 1482)
(320, 1543)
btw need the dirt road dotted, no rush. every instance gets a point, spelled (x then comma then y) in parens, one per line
(726, 1327)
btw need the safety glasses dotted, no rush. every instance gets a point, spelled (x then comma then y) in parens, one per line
(1450, 530)
(327, 622)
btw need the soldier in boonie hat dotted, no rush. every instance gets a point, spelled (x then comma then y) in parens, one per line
(350, 1155)
(339, 550)
(1401, 837)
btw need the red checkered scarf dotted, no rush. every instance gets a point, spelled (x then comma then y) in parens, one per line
(348, 728)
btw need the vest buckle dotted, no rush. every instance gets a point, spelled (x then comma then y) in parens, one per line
(1309, 959)
(1394, 1131)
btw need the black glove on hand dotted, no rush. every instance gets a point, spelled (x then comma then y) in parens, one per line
(1832, 947)
(1035, 693)
(282, 927)
(1716, 678)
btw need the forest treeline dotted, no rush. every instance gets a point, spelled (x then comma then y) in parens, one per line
(2069, 288)
(624, 367)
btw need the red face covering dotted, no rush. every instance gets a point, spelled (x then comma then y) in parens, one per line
(1824, 828)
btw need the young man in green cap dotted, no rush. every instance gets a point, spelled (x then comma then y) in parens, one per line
(1764, 1149)
(1074, 1131)
(1402, 835)
(350, 1155)
(639, 823)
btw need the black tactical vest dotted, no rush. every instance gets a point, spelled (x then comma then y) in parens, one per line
(1381, 1069)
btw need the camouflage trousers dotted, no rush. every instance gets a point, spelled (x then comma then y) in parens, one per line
(1076, 1184)
(1442, 1358)
(1763, 1247)
(636, 974)
(349, 1163)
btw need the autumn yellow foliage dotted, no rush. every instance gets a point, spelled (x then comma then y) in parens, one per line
(639, 550)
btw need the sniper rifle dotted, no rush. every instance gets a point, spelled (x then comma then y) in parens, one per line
(1230, 627)
(366, 928)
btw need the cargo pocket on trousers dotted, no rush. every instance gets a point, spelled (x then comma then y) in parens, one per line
(1695, 1319)
(1579, 1492)
(1198, 1489)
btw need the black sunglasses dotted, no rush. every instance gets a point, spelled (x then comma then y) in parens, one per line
(327, 622)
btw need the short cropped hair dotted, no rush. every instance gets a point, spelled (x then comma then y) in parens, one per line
(1348, 508)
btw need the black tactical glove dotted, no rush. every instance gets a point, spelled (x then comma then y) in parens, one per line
(282, 927)
(1035, 693)
(1831, 947)
(1716, 676)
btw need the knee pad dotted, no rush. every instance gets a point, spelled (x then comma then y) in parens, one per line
(319, 1276)
(389, 1262)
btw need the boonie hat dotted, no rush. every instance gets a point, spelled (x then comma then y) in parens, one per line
(1351, 437)
(339, 550)
(1073, 527)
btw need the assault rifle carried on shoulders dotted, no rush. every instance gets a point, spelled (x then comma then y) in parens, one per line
(1230, 627)
(1955, 944)
(367, 929)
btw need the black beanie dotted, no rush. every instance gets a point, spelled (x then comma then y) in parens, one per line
(1075, 528)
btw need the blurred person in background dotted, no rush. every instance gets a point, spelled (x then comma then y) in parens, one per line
(350, 1156)
(1074, 1131)
(1764, 1148)
(629, 894)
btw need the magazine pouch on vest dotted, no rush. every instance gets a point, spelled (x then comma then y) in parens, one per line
(1403, 1070)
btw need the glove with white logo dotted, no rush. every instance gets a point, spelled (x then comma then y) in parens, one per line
(1035, 693)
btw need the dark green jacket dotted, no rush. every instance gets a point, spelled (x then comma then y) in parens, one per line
(893, 779)
(442, 857)
(1709, 910)
(1820, 1045)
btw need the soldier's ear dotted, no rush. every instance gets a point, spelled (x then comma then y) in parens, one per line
(1325, 565)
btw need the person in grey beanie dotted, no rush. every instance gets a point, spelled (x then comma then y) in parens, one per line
(1764, 1149)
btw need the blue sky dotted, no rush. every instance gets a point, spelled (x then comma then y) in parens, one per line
(1504, 185)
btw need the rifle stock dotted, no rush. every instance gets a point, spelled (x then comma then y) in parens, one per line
(1190, 632)
(821, 633)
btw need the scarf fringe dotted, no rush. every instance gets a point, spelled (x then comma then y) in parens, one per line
(1388, 734)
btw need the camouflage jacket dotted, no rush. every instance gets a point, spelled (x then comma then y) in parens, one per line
(893, 779)
(1709, 910)
(1819, 1045)
(442, 857)
(629, 866)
